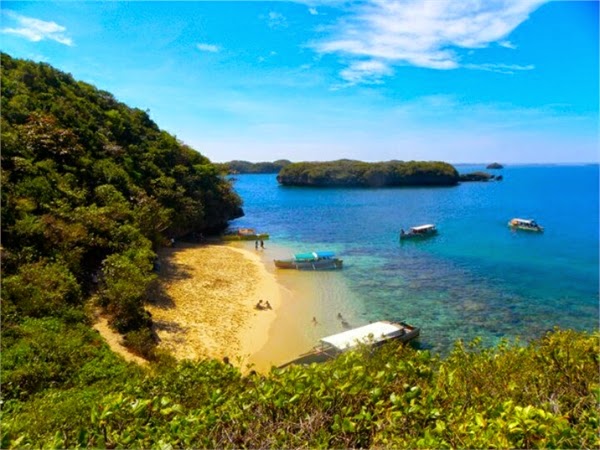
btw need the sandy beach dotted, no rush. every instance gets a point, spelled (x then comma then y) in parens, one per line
(204, 306)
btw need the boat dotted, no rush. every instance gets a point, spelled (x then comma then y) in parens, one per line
(372, 335)
(324, 260)
(525, 224)
(422, 231)
(245, 234)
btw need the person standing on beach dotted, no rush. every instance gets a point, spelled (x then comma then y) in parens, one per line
(262, 244)
(256, 245)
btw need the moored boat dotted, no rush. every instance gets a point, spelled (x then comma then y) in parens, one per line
(525, 224)
(422, 231)
(245, 234)
(323, 260)
(373, 334)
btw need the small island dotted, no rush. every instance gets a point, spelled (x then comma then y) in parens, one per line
(349, 173)
(241, 167)
(479, 176)
(495, 165)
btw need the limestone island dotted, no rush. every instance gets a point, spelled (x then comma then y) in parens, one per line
(350, 173)
(495, 166)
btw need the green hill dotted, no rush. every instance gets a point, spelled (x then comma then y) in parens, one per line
(348, 173)
(90, 187)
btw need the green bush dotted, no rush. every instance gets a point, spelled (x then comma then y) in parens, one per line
(513, 396)
(41, 289)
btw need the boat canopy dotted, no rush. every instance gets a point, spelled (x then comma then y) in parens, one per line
(423, 227)
(524, 221)
(372, 333)
(313, 256)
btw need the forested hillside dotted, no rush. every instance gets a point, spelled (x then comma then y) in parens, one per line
(90, 188)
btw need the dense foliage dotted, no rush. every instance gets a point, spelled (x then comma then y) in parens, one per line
(90, 187)
(539, 396)
(356, 173)
(235, 167)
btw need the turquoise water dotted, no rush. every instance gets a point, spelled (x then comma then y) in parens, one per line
(477, 278)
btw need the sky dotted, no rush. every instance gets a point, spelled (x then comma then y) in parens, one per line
(472, 81)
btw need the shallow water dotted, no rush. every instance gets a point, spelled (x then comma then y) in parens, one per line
(477, 278)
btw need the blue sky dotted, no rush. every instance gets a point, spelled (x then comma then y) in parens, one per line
(460, 81)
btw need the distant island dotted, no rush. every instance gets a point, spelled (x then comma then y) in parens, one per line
(479, 176)
(495, 166)
(349, 173)
(235, 167)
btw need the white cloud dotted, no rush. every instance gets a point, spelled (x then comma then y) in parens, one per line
(507, 44)
(423, 33)
(276, 20)
(211, 48)
(313, 11)
(500, 68)
(367, 72)
(36, 30)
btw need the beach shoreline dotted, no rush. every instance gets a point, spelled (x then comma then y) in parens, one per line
(203, 306)
(205, 302)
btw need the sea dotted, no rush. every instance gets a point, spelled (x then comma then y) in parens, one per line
(476, 279)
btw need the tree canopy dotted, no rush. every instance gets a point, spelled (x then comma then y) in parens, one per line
(363, 174)
(90, 187)
(236, 166)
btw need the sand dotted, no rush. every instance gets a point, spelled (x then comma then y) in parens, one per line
(204, 306)
(115, 341)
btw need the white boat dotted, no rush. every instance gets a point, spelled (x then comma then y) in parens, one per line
(422, 231)
(373, 334)
(525, 224)
(324, 260)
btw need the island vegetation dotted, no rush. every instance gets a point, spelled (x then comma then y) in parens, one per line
(236, 167)
(90, 189)
(349, 173)
(495, 165)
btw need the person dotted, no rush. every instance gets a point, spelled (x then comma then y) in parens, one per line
(339, 316)
(172, 242)
(314, 320)
(256, 245)
(268, 305)
(262, 244)
(259, 305)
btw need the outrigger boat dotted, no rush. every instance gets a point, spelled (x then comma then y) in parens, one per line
(311, 261)
(374, 334)
(422, 231)
(245, 234)
(525, 224)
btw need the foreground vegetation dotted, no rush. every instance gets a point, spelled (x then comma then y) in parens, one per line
(346, 173)
(75, 393)
(90, 189)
